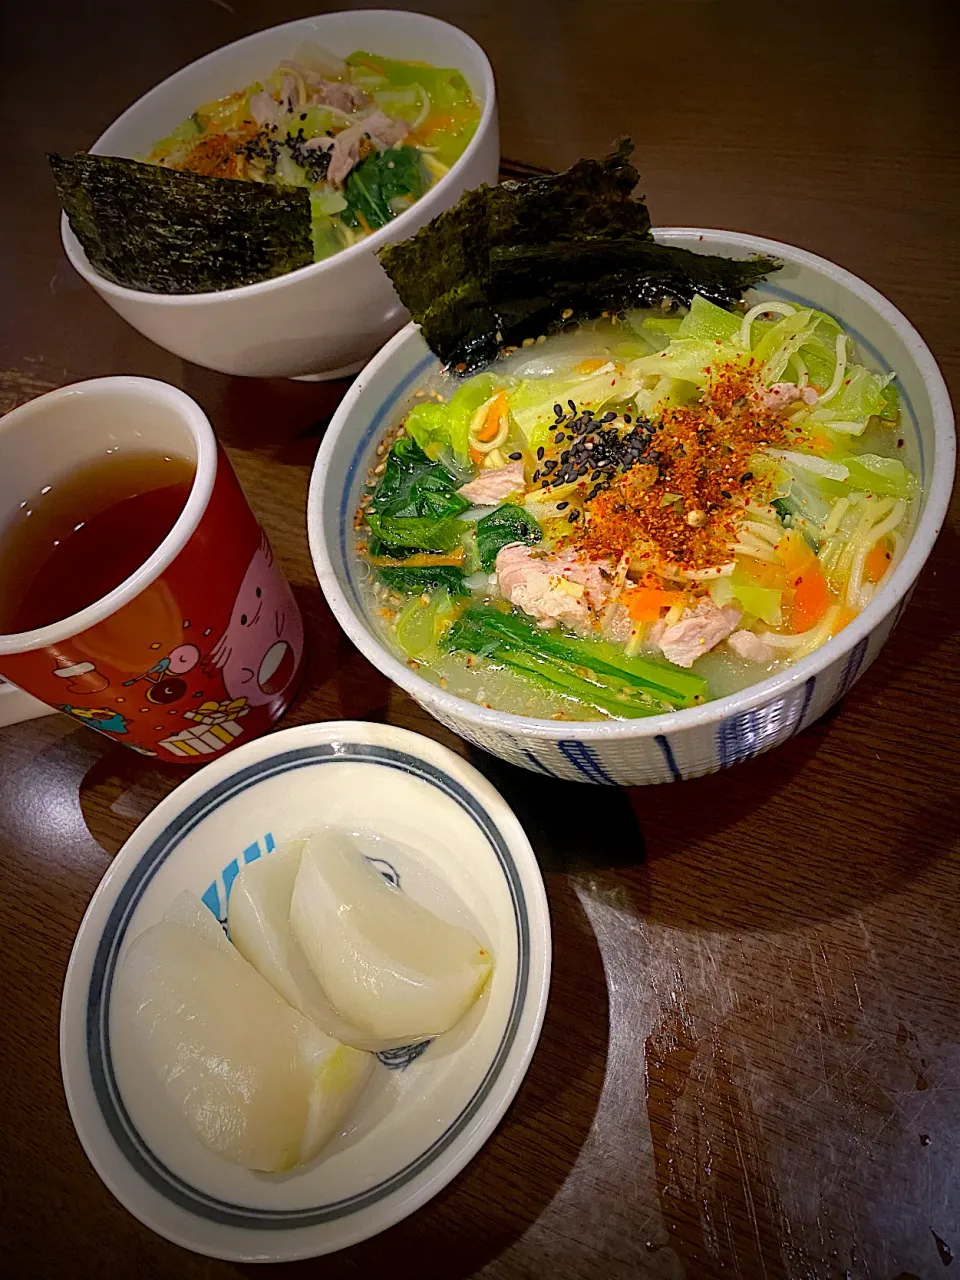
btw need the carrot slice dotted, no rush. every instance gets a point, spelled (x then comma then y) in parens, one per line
(811, 595)
(589, 366)
(494, 419)
(645, 603)
(877, 562)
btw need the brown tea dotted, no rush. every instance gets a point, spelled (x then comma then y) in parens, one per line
(85, 533)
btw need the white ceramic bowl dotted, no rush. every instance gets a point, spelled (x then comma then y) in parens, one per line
(683, 744)
(327, 319)
(447, 838)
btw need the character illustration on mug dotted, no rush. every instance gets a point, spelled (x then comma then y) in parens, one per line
(260, 651)
(103, 718)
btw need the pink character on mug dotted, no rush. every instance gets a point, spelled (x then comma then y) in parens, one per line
(260, 652)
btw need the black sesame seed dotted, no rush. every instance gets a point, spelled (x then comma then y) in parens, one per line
(627, 419)
(574, 515)
(549, 464)
(558, 410)
(724, 494)
(559, 438)
(303, 115)
(515, 457)
(595, 477)
(608, 417)
(747, 475)
(536, 475)
(565, 456)
(573, 407)
(562, 506)
(540, 453)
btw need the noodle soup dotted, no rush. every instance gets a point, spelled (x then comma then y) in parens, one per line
(639, 514)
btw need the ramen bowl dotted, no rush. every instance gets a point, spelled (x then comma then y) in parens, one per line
(699, 740)
(326, 319)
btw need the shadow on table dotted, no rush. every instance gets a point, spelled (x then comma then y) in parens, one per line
(752, 850)
(524, 1165)
(275, 417)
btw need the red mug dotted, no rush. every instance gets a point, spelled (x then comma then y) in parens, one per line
(202, 647)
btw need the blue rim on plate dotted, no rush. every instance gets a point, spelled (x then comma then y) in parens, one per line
(100, 1063)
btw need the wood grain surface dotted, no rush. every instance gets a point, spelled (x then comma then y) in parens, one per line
(750, 1065)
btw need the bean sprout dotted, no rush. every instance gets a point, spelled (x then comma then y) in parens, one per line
(837, 380)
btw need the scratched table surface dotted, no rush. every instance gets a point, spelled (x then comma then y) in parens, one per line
(750, 1064)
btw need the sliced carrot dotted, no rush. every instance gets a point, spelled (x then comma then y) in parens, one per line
(811, 595)
(645, 603)
(494, 419)
(476, 456)
(436, 122)
(589, 366)
(364, 223)
(877, 562)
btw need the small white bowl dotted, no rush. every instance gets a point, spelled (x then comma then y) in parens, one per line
(683, 744)
(327, 319)
(433, 825)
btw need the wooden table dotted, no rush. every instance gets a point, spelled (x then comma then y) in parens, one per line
(750, 1065)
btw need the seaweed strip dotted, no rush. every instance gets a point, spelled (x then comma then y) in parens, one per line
(166, 231)
(514, 261)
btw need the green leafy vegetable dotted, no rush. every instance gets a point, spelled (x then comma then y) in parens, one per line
(382, 177)
(706, 320)
(508, 523)
(429, 425)
(423, 533)
(415, 504)
(415, 581)
(164, 231)
(514, 261)
(886, 477)
(421, 626)
(592, 671)
(445, 86)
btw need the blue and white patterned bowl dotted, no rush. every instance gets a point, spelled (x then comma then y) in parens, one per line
(435, 827)
(684, 744)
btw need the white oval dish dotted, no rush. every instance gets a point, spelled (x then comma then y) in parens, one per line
(323, 320)
(434, 824)
(683, 744)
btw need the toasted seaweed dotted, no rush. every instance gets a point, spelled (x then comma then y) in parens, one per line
(515, 261)
(166, 231)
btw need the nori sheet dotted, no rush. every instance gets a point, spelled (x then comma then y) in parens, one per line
(165, 231)
(507, 262)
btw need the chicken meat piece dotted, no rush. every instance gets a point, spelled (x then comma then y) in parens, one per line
(493, 486)
(345, 152)
(555, 588)
(749, 645)
(338, 94)
(784, 394)
(385, 131)
(697, 632)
